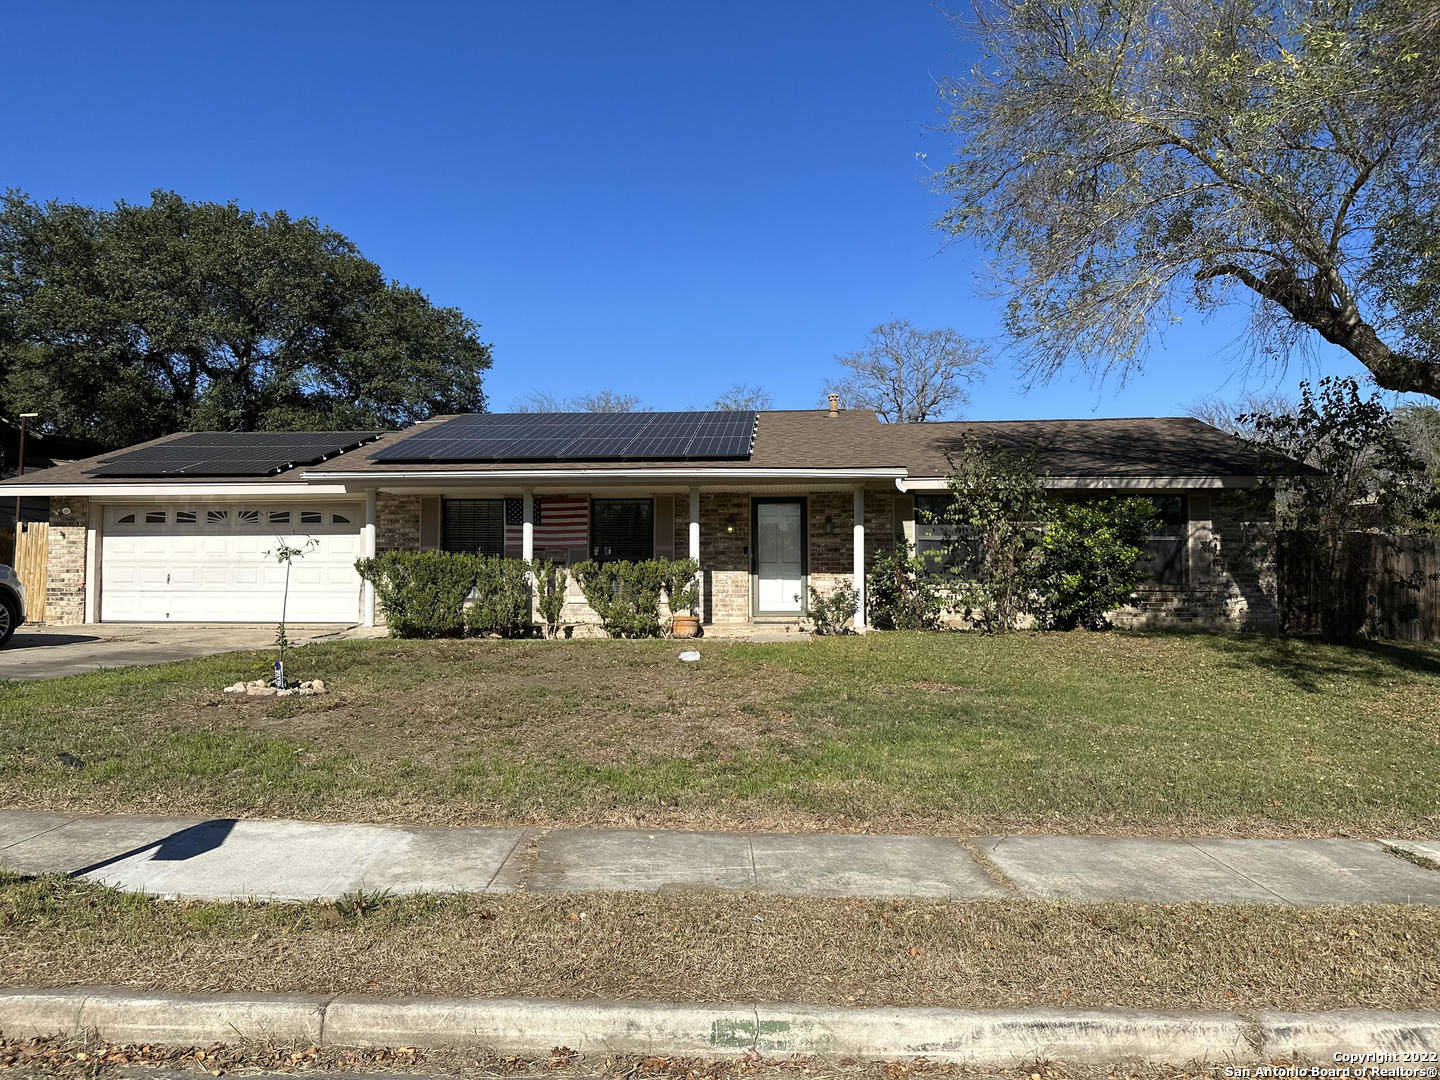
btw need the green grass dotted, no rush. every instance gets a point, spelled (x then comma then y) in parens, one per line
(905, 732)
(731, 947)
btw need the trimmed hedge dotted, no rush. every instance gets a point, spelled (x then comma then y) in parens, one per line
(429, 594)
(626, 595)
(424, 593)
(502, 597)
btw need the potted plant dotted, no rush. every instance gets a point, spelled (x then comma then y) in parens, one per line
(682, 592)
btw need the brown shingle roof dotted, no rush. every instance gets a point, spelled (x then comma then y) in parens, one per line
(809, 439)
(1137, 446)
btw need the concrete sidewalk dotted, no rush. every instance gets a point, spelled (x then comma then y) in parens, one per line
(221, 859)
(52, 652)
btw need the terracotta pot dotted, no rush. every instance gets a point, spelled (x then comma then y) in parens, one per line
(685, 626)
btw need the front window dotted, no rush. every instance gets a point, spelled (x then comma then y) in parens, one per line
(622, 530)
(1166, 546)
(945, 555)
(473, 525)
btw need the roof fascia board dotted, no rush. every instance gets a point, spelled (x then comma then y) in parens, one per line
(1131, 483)
(540, 476)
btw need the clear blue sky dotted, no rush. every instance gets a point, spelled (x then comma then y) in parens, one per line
(657, 198)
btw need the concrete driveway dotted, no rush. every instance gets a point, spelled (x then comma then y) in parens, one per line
(49, 652)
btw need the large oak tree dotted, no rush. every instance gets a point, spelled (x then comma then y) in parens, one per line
(1128, 160)
(123, 324)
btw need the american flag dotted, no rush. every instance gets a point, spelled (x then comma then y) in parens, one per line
(559, 522)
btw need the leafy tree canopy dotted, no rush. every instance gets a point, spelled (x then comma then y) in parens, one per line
(124, 324)
(1127, 159)
(1350, 463)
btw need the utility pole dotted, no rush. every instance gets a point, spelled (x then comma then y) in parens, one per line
(20, 471)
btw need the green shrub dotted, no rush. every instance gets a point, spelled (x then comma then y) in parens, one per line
(681, 584)
(1091, 560)
(423, 592)
(502, 597)
(626, 595)
(900, 593)
(994, 521)
(831, 611)
(550, 580)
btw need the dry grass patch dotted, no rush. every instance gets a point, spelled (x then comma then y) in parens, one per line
(601, 702)
(61, 1056)
(727, 948)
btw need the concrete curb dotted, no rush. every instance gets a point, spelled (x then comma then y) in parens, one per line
(996, 1037)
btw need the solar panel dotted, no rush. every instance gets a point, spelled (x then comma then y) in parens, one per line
(233, 453)
(641, 436)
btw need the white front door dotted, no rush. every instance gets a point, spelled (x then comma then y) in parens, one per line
(779, 557)
(198, 562)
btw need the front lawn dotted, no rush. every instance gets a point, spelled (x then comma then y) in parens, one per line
(889, 732)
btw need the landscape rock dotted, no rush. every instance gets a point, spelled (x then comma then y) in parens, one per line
(263, 688)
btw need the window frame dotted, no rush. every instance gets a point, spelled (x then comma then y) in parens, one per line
(1168, 551)
(628, 556)
(930, 538)
(447, 506)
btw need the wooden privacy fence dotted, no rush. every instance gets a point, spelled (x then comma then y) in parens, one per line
(1384, 586)
(32, 548)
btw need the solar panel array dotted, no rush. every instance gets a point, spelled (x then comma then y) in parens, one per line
(233, 453)
(638, 436)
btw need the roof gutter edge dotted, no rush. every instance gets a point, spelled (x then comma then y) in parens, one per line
(1137, 483)
(547, 475)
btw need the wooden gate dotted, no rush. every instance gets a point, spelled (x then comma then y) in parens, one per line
(32, 552)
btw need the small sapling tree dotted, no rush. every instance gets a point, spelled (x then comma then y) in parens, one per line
(285, 552)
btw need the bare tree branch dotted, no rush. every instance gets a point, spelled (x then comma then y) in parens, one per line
(908, 375)
(1133, 161)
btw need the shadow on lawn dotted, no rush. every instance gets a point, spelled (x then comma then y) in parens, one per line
(1308, 665)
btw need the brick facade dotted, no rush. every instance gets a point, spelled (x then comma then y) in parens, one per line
(725, 556)
(682, 526)
(832, 535)
(1230, 582)
(397, 528)
(397, 522)
(66, 561)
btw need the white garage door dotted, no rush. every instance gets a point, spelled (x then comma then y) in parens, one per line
(196, 563)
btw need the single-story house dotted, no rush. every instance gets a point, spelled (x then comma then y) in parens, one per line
(768, 503)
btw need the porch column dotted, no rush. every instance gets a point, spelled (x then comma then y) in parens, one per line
(527, 527)
(367, 597)
(695, 545)
(860, 557)
(92, 552)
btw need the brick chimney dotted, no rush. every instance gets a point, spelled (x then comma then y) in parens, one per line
(834, 405)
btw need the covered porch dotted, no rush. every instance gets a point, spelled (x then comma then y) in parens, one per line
(760, 547)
